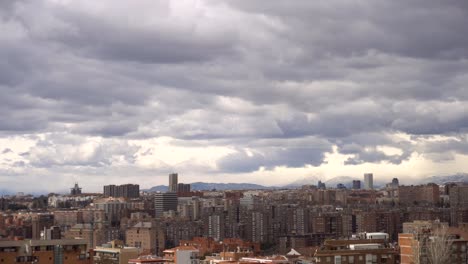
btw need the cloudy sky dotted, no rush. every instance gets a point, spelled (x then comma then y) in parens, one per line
(265, 92)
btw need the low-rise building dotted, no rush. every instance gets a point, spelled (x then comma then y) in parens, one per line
(114, 253)
(69, 251)
(182, 255)
(356, 251)
(147, 259)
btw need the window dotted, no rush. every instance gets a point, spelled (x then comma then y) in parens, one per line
(351, 259)
(337, 259)
(26, 259)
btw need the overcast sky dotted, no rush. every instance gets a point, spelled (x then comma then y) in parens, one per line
(268, 92)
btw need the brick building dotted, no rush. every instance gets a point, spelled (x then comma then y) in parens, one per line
(70, 251)
(419, 194)
(356, 251)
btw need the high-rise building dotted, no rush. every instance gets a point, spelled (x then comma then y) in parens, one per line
(109, 190)
(458, 197)
(356, 184)
(173, 182)
(321, 185)
(126, 190)
(395, 182)
(368, 181)
(183, 188)
(164, 202)
(419, 194)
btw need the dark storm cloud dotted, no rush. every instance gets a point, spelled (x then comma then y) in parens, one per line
(451, 145)
(362, 148)
(419, 28)
(269, 153)
(269, 158)
(112, 37)
(7, 150)
(236, 73)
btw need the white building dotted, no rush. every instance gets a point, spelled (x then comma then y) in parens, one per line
(368, 181)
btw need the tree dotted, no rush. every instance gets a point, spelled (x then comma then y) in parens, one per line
(432, 248)
(416, 247)
(439, 246)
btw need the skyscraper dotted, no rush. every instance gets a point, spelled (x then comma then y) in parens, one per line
(368, 181)
(173, 182)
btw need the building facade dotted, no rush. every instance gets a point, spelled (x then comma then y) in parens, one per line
(368, 181)
(164, 202)
(173, 181)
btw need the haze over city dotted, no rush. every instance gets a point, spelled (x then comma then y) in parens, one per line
(266, 92)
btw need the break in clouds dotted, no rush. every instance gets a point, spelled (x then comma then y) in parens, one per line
(221, 90)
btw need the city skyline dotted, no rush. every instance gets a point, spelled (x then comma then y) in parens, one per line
(260, 92)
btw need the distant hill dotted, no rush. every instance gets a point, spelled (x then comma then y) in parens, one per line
(459, 177)
(309, 180)
(345, 180)
(330, 183)
(159, 188)
(203, 186)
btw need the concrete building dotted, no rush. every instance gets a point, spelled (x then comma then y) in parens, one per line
(114, 253)
(395, 183)
(56, 251)
(183, 188)
(88, 232)
(173, 181)
(182, 255)
(356, 184)
(126, 190)
(164, 202)
(147, 237)
(109, 190)
(458, 196)
(368, 181)
(114, 209)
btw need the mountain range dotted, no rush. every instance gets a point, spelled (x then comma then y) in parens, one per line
(346, 180)
(203, 186)
(459, 177)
